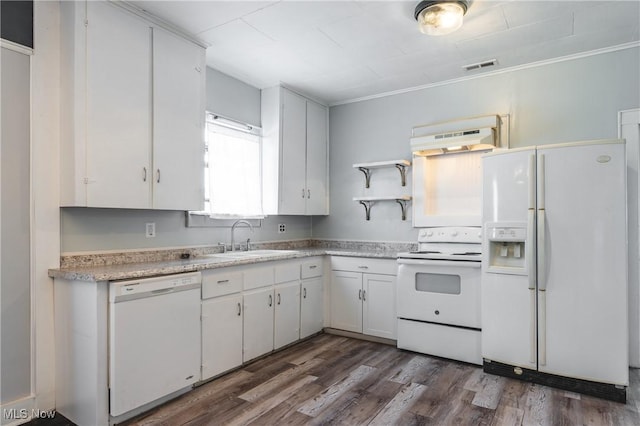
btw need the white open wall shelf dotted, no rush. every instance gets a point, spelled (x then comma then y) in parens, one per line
(402, 200)
(401, 165)
(367, 202)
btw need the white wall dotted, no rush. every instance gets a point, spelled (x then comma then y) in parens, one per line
(15, 273)
(565, 101)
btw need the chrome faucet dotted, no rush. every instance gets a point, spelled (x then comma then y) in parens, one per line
(233, 228)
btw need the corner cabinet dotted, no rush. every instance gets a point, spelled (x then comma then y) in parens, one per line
(132, 111)
(295, 154)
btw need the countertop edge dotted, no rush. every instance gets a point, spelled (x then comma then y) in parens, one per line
(145, 270)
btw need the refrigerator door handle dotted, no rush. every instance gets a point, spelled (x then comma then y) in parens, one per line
(532, 181)
(532, 326)
(530, 250)
(541, 181)
(542, 258)
(542, 327)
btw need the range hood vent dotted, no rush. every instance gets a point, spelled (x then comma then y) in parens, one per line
(475, 134)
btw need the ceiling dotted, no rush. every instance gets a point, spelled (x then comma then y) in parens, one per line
(336, 51)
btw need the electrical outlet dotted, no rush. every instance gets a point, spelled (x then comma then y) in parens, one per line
(282, 228)
(150, 230)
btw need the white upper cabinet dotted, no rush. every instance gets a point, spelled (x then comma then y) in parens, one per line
(178, 122)
(295, 150)
(132, 99)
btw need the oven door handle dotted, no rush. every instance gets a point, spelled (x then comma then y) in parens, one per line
(446, 263)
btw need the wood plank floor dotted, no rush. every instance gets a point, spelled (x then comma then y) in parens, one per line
(342, 381)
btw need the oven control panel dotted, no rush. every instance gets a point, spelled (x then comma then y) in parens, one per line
(451, 234)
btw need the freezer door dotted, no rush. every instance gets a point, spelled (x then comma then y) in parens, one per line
(582, 262)
(508, 320)
(508, 185)
(508, 300)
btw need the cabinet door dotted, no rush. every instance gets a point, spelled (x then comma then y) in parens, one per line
(221, 335)
(258, 323)
(311, 307)
(379, 305)
(118, 113)
(178, 122)
(316, 177)
(287, 314)
(293, 153)
(346, 301)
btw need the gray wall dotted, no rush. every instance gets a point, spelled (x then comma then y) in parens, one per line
(566, 101)
(15, 310)
(85, 229)
(232, 98)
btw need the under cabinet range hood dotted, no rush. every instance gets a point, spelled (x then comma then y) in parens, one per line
(447, 172)
(472, 134)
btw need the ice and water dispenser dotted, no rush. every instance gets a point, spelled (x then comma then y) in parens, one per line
(507, 246)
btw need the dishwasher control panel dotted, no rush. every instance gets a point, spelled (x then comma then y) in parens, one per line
(119, 290)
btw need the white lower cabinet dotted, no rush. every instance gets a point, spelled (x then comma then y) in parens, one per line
(379, 305)
(311, 297)
(364, 302)
(221, 318)
(258, 323)
(248, 311)
(287, 314)
(346, 301)
(221, 335)
(311, 307)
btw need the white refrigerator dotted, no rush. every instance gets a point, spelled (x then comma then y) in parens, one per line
(554, 268)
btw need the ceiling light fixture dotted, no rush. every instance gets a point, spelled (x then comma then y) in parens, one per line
(440, 17)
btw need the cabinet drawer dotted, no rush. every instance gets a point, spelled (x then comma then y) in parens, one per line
(287, 271)
(312, 268)
(258, 276)
(364, 264)
(219, 283)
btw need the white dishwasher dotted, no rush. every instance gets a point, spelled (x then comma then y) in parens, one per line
(154, 339)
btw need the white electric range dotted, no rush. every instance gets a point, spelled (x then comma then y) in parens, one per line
(438, 294)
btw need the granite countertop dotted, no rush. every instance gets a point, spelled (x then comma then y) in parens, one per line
(102, 271)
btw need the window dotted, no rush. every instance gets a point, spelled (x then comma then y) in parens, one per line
(233, 178)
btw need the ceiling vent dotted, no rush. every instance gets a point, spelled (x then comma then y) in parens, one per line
(480, 65)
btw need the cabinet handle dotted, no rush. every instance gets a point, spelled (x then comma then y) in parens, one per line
(313, 266)
(239, 309)
(158, 176)
(363, 267)
(304, 293)
(308, 193)
(359, 294)
(270, 300)
(302, 192)
(144, 174)
(223, 281)
(279, 298)
(364, 295)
